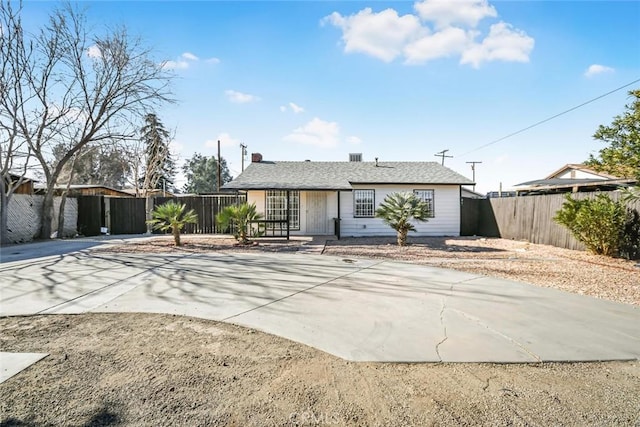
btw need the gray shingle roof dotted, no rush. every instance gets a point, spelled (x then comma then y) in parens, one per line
(340, 175)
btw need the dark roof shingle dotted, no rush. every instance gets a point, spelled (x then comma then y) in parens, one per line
(341, 175)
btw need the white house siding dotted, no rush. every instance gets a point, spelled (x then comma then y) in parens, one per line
(331, 210)
(445, 223)
(578, 174)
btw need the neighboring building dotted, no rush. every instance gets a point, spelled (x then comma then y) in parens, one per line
(470, 194)
(84, 190)
(26, 187)
(572, 178)
(154, 192)
(321, 194)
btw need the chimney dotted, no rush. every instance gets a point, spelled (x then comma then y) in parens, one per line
(355, 157)
(256, 157)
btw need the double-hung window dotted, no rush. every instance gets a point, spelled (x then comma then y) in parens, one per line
(427, 197)
(363, 203)
(276, 207)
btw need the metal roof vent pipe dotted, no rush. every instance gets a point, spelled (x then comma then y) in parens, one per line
(376, 162)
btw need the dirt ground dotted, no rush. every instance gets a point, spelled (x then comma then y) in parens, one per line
(150, 370)
(164, 370)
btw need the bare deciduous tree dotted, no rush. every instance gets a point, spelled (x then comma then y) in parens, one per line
(78, 89)
(14, 151)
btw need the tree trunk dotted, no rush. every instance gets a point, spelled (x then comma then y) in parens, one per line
(63, 202)
(47, 214)
(4, 218)
(402, 238)
(176, 235)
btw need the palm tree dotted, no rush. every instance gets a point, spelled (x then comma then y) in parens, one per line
(398, 209)
(240, 217)
(171, 216)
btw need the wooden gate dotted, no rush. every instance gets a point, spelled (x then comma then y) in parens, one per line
(127, 215)
(90, 215)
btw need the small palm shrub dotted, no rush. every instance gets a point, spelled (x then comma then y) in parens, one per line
(399, 209)
(239, 218)
(170, 216)
(606, 227)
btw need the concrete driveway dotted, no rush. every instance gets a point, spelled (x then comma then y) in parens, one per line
(361, 310)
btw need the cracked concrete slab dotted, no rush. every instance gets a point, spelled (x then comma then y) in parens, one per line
(361, 310)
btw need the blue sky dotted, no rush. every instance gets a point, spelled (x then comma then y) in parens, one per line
(298, 80)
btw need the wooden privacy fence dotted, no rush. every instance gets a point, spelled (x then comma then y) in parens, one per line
(206, 207)
(525, 218)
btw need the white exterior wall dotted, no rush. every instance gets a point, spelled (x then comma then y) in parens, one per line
(331, 211)
(445, 223)
(578, 174)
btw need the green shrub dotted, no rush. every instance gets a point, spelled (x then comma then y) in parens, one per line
(605, 227)
(171, 216)
(630, 242)
(240, 218)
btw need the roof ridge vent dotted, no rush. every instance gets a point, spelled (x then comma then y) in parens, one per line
(355, 157)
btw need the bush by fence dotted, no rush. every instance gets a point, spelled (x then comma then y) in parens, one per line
(531, 218)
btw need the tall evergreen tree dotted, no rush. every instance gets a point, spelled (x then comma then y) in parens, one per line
(160, 167)
(202, 173)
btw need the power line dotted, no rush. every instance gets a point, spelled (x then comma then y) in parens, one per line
(550, 118)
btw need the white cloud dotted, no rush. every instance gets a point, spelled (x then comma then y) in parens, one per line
(449, 41)
(317, 132)
(189, 56)
(595, 69)
(296, 108)
(382, 35)
(94, 52)
(225, 139)
(504, 43)
(439, 29)
(354, 140)
(212, 60)
(239, 97)
(175, 65)
(451, 12)
(181, 63)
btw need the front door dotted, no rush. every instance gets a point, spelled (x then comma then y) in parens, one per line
(317, 212)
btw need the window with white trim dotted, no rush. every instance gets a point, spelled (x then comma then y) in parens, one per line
(363, 203)
(427, 196)
(276, 207)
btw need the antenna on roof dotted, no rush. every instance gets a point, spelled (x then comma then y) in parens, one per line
(443, 155)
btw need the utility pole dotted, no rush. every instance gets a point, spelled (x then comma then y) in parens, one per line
(218, 163)
(473, 170)
(244, 153)
(443, 155)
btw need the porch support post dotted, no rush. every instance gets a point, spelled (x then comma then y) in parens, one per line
(337, 230)
(288, 215)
